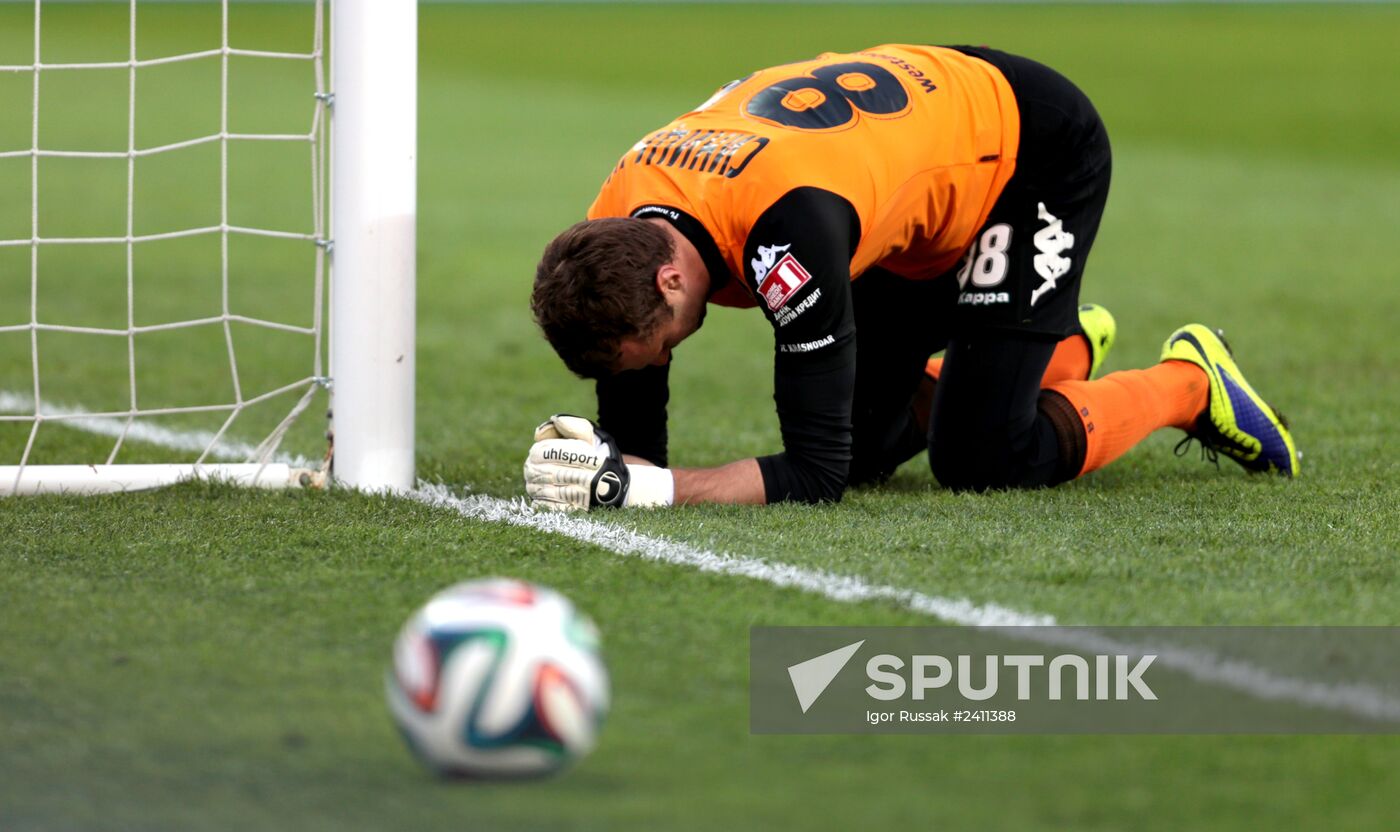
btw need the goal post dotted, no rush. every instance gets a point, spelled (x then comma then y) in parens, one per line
(374, 217)
(362, 140)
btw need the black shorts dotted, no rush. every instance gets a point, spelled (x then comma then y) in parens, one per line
(1023, 270)
(1015, 293)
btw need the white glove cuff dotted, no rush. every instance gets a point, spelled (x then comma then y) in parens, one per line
(651, 486)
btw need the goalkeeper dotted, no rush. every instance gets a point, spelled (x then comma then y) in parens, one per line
(877, 207)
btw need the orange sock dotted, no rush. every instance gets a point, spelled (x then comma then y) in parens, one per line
(1070, 362)
(1122, 408)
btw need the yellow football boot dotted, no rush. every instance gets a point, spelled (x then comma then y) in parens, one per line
(1237, 422)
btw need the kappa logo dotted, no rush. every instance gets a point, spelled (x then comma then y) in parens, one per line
(1051, 241)
(767, 256)
(983, 298)
(778, 279)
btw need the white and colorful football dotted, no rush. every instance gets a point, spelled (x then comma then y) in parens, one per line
(498, 678)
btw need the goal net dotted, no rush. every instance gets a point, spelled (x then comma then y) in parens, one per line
(206, 243)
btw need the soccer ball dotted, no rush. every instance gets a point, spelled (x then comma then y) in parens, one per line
(498, 678)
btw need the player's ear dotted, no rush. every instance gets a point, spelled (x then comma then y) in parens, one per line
(668, 281)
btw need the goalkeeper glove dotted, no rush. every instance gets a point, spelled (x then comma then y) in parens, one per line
(575, 465)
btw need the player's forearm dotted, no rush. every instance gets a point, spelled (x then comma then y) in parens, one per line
(737, 482)
(632, 407)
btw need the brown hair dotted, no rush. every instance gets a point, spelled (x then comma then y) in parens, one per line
(596, 285)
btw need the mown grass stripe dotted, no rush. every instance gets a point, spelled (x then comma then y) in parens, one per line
(1357, 700)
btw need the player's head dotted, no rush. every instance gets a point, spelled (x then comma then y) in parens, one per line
(609, 296)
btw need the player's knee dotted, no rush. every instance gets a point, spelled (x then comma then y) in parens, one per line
(993, 463)
(965, 471)
(868, 469)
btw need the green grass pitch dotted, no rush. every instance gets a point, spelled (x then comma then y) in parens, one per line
(204, 658)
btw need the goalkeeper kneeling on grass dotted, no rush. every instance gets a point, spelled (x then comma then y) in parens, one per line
(878, 207)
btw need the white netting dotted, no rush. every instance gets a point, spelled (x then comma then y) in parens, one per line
(131, 420)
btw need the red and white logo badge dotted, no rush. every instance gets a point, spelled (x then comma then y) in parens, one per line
(782, 282)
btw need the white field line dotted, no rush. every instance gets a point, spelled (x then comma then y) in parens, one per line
(625, 541)
(1354, 699)
(191, 441)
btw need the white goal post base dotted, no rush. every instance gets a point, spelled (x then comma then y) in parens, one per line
(109, 479)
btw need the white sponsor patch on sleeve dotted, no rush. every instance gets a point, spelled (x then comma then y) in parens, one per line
(782, 282)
